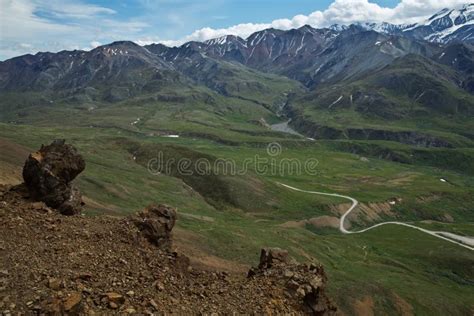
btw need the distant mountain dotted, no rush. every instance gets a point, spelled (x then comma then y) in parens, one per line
(446, 26)
(284, 52)
(311, 56)
(124, 70)
(115, 71)
(383, 75)
(403, 102)
(461, 58)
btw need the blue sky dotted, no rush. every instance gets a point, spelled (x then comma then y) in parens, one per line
(29, 26)
(215, 14)
(174, 19)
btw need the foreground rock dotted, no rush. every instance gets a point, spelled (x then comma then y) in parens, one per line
(52, 264)
(303, 282)
(48, 174)
(273, 256)
(155, 223)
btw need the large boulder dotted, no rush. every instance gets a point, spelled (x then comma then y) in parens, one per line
(156, 223)
(48, 174)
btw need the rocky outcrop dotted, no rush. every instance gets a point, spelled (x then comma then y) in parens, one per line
(272, 256)
(303, 282)
(155, 223)
(80, 265)
(48, 175)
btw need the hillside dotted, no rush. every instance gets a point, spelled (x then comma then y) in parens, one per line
(127, 265)
(413, 95)
(76, 266)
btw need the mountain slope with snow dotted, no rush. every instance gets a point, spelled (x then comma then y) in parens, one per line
(446, 26)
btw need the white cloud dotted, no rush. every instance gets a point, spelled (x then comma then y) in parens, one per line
(339, 12)
(51, 25)
(95, 44)
(147, 40)
(70, 9)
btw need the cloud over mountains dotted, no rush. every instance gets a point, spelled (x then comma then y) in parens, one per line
(339, 12)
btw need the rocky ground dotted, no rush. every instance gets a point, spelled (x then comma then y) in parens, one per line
(53, 264)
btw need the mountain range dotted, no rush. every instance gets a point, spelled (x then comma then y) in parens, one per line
(323, 64)
(305, 54)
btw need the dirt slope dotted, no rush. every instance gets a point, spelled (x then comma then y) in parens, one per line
(50, 263)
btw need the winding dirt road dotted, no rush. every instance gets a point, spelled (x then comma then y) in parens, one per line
(437, 234)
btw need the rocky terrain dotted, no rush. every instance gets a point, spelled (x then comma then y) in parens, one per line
(53, 264)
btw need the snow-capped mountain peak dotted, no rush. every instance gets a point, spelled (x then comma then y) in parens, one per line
(338, 27)
(447, 18)
(451, 25)
(448, 25)
(226, 39)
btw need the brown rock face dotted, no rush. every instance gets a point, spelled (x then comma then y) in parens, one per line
(303, 282)
(271, 256)
(156, 223)
(48, 174)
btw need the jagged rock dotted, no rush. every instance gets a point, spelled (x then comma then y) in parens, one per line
(74, 204)
(48, 174)
(271, 256)
(55, 284)
(73, 304)
(115, 298)
(155, 223)
(306, 283)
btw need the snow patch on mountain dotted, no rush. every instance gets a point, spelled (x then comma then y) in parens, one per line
(446, 23)
(442, 27)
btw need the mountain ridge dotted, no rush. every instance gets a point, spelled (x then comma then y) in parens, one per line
(265, 69)
(296, 53)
